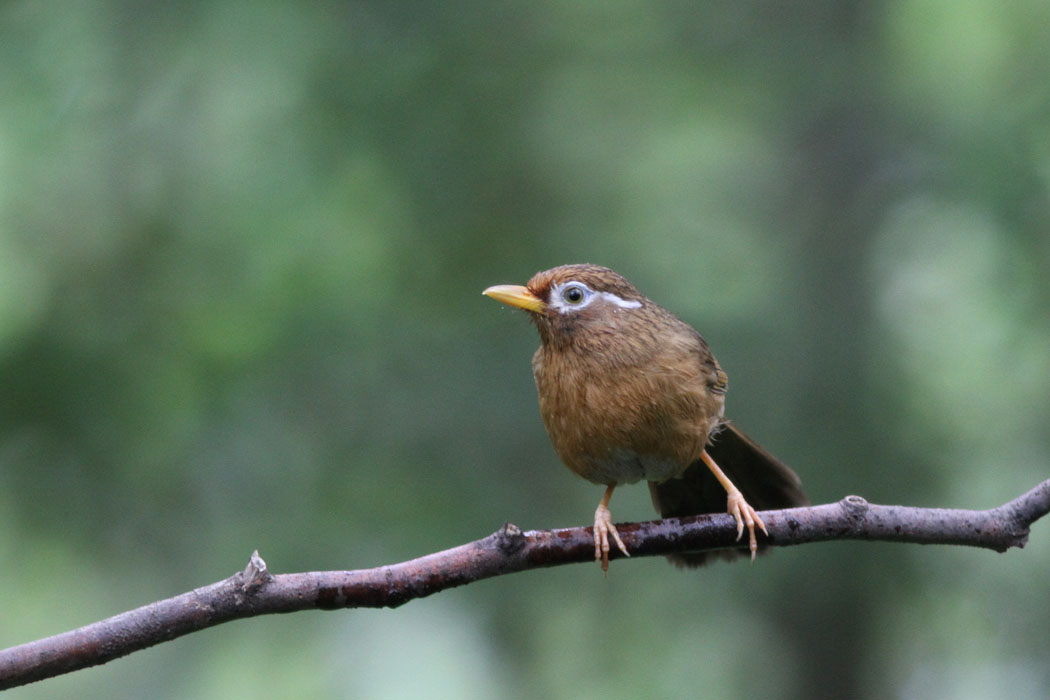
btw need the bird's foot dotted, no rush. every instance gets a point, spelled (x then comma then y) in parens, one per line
(603, 527)
(744, 514)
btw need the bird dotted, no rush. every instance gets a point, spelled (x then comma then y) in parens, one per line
(628, 391)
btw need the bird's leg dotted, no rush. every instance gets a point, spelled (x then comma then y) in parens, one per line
(603, 527)
(741, 511)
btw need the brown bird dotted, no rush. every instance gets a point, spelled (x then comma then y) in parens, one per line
(628, 392)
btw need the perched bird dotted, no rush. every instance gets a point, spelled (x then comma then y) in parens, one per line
(628, 392)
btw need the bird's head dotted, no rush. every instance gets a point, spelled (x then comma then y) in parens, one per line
(571, 300)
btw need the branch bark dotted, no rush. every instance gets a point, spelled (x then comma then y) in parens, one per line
(255, 591)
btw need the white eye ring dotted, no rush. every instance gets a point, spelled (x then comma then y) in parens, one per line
(574, 294)
(560, 297)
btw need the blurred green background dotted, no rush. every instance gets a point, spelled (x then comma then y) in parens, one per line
(242, 246)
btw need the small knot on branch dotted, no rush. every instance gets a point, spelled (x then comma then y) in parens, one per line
(255, 574)
(855, 508)
(509, 538)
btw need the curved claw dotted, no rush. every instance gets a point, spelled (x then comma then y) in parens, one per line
(603, 527)
(744, 514)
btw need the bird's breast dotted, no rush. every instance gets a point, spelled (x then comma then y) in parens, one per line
(622, 424)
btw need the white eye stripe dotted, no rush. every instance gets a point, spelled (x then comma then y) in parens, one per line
(622, 303)
(559, 303)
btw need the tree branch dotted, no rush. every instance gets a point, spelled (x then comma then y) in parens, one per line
(255, 591)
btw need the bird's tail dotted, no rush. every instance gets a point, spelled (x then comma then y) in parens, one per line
(766, 482)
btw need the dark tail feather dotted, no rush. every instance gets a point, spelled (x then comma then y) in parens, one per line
(766, 482)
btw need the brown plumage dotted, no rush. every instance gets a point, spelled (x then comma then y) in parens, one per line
(628, 392)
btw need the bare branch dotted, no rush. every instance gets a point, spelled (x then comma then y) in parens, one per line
(255, 591)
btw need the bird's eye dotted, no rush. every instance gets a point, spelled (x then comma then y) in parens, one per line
(573, 294)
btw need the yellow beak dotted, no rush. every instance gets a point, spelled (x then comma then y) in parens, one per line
(518, 296)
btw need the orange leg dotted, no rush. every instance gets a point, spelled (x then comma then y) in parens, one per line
(603, 527)
(738, 507)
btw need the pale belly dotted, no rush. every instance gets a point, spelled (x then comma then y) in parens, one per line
(625, 466)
